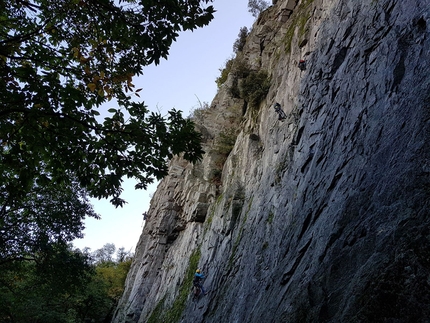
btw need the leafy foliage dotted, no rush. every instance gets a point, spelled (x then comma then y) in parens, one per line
(235, 65)
(59, 62)
(254, 87)
(104, 254)
(224, 144)
(225, 141)
(198, 113)
(60, 285)
(224, 72)
(108, 282)
(241, 40)
(247, 84)
(240, 70)
(255, 7)
(38, 290)
(46, 216)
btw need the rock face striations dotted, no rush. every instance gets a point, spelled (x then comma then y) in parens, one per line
(321, 217)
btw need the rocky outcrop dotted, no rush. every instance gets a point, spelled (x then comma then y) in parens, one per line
(322, 217)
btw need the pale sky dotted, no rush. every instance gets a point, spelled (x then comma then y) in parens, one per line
(187, 76)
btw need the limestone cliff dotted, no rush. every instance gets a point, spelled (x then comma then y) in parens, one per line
(321, 217)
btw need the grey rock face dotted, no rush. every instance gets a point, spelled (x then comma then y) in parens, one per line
(323, 217)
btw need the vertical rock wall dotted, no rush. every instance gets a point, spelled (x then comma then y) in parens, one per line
(322, 217)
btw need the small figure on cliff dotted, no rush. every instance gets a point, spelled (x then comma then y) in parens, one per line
(302, 65)
(197, 283)
(278, 109)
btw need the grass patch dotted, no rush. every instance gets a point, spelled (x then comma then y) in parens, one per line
(239, 236)
(280, 169)
(219, 199)
(215, 176)
(174, 313)
(224, 72)
(288, 38)
(299, 20)
(270, 217)
(225, 141)
(209, 220)
(224, 144)
(302, 23)
(236, 243)
(157, 312)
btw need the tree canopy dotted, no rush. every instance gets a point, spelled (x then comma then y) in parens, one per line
(63, 285)
(60, 63)
(46, 216)
(255, 7)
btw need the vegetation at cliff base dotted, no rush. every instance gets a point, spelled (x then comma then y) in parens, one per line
(172, 314)
(63, 285)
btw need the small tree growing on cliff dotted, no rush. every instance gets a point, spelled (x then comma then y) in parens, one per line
(254, 87)
(241, 40)
(224, 72)
(255, 7)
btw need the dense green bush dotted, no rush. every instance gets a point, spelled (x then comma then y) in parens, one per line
(223, 146)
(226, 141)
(240, 71)
(216, 176)
(224, 72)
(254, 88)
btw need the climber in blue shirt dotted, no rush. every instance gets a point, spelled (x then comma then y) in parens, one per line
(197, 281)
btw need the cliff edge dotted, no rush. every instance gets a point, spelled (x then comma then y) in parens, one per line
(322, 216)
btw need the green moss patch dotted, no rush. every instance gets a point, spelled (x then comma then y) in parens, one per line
(173, 314)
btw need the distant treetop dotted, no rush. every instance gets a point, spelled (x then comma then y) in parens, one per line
(255, 7)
